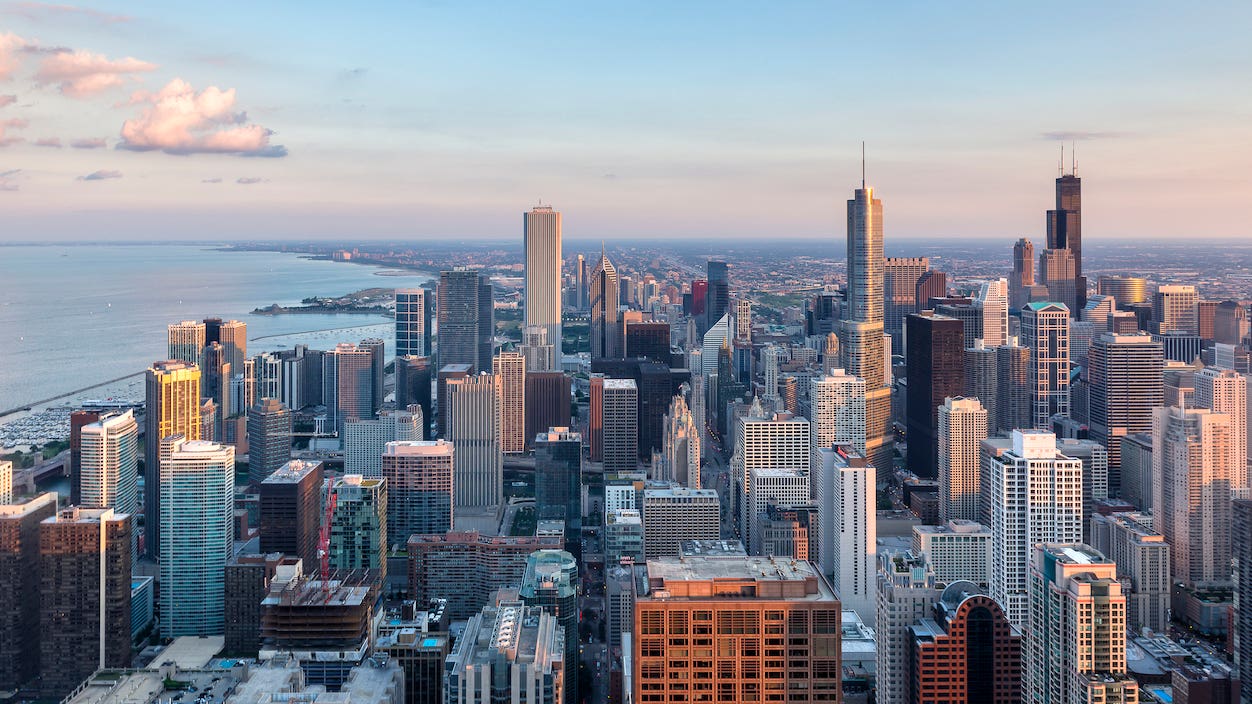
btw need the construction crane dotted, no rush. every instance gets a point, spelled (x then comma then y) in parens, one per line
(323, 542)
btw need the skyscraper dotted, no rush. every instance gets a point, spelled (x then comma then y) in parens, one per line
(358, 526)
(413, 379)
(743, 319)
(291, 510)
(1125, 382)
(365, 440)
(215, 376)
(1241, 542)
(19, 575)
(539, 355)
(1045, 330)
(84, 595)
(1226, 391)
(348, 384)
(1013, 397)
(412, 322)
(1126, 290)
(1076, 642)
(186, 341)
(992, 304)
(541, 234)
(906, 593)
(764, 440)
(197, 490)
(680, 444)
(847, 525)
(962, 428)
(837, 401)
(232, 335)
(269, 438)
(718, 303)
(473, 429)
(1143, 565)
(619, 425)
(466, 315)
(378, 369)
(1056, 271)
(1023, 274)
(862, 346)
(509, 371)
(967, 651)
(900, 277)
(1035, 496)
(1065, 229)
(558, 476)
(1175, 309)
(487, 664)
(6, 482)
(547, 402)
(1191, 487)
(420, 480)
(172, 407)
(110, 464)
(604, 295)
(674, 514)
(551, 582)
(936, 371)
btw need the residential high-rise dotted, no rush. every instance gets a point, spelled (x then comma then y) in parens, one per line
(19, 576)
(551, 583)
(962, 428)
(558, 476)
(1045, 331)
(936, 371)
(186, 341)
(348, 384)
(547, 402)
(764, 441)
(715, 597)
(6, 482)
(358, 526)
(1176, 309)
(109, 465)
(900, 277)
(364, 441)
(955, 551)
(84, 595)
(1226, 391)
(1143, 564)
(291, 510)
(78, 419)
(618, 424)
(509, 371)
(847, 525)
(1125, 381)
(906, 594)
(1241, 544)
(992, 305)
(420, 481)
(1095, 473)
(1191, 487)
(248, 578)
(447, 373)
(490, 665)
(466, 319)
(862, 346)
(473, 429)
(269, 438)
(413, 380)
(413, 323)
(743, 319)
(541, 303)
(172, 407)
(674, 514)
(967, 651)
(377, 349)
(781, 486)
(982, 380)
(1076, 640)
(837, 403)
(215, 376)
(232, 335)
(197, 490)
(604, 296)
(465, 567)
(1023, 274)
(1035, 496)
(1013, 397)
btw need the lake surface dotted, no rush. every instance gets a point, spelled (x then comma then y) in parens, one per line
(74, 316)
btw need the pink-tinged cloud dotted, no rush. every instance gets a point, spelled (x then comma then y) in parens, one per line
(101, 175)
(7, 100)
(89, 143)
(11, 47)
(6, 180)
(53, 142)
(11, 124)
(249, 180)
(178, 120)
(41, 11)
(81, 73)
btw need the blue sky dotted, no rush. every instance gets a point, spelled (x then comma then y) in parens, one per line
(698, 119)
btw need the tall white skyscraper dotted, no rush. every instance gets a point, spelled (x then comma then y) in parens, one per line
(993, 306)
(962, 428)
(542, 301)
(847, 525)
(186, 341)
(509, 370)
(714, 338)
(412, 322)
(765, 441)
(1226, 391)
(472, 428)
(365, 440)
(1045, 330)
(837, 401)
(109, 474)
(1191, 487)
(1075, 649)
(197, 487)
(1035, 496)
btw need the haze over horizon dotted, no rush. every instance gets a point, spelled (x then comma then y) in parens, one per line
(140, 120)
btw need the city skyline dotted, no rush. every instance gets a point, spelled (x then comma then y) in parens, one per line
(703, 130)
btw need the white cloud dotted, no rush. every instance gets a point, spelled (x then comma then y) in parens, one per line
(179, 120)
(101, 175)
(81, 73)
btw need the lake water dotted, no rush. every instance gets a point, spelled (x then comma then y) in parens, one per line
(73, 316)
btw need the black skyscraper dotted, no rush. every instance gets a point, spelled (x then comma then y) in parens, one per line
(936, 370)
(466, 319)
(719, 292)
(1065, 226)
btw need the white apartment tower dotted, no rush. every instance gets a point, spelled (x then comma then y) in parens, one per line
(186, 341)
(1045, 330)
(992, 304)
(837, 402)
(1226, 391)
(473, 428)
(1035, 496)
(542, 299)
(109, 474)
(962, 428)
(765, 441)
(509, 370)
(847, 525)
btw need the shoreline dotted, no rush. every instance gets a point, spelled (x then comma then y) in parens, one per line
(5, 413)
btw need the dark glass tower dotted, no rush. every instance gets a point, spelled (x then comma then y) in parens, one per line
(1065, 227)
(558, 478)
(466, 319)
(719, 292)
(936, 371)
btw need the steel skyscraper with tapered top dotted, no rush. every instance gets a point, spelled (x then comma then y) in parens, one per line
(542, 299)
(604, 297)
(861, 340)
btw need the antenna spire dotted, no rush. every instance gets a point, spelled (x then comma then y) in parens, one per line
(862, 164)
(1073, 159)
(1060, 165)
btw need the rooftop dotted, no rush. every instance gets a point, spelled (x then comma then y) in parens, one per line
(695, 548)
(619, 384)
(728, 573)
(419, 447)
(676, 492)
(190, 652)
(292, 472)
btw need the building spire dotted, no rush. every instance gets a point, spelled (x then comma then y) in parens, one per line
(862, 164)
(1073, 158)
(1060, 165)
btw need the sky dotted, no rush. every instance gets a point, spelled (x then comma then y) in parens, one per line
(448, 119)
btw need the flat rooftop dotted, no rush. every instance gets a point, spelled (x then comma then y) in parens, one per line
(680, 492)
(190, 652)
(619, 384)
(667, 573)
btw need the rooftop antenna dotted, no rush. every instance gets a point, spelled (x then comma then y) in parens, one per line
(1060, 165)
(862, 164)
(1073, 159)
